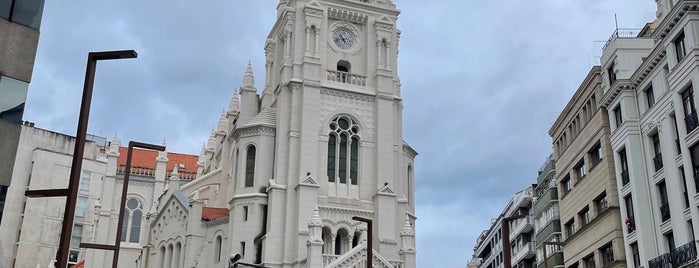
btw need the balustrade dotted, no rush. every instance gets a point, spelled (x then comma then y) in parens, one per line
(675, 258)
(346, 78)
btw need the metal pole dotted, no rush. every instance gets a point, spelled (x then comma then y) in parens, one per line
(369, 245)
(506, 238)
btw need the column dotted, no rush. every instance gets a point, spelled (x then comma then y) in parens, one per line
(308, 41)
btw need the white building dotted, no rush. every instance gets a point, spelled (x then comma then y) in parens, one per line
(322, 143)
(648, 80)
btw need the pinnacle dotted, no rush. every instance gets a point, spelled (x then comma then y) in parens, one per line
(235, 102)
(249, 78)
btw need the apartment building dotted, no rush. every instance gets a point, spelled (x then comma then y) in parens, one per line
(649, 76)
(587, 188)
(547, 224)
(511, 235)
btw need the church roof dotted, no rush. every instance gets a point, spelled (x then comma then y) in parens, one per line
(145, 161)
(266, 117)
(211, 213)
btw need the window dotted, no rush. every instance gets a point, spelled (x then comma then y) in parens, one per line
(3, 196)
(81, 206)
(245, 213)
(636, 255)
(242, 249)
(76, 236)
(73, 256)
(584, 215)
(607, 253)
(625, 178)
(630, 221)
(565, 185)
(580, 169)
(611, 74)
(570, 227)
(617, 116)
(217, 252)
(589, 261)
(658, 158)
(595, 154)
(664, 206)
(650, 97)
(133, 215)
(601, 203)
(680, 49)
(690, 114)
(670, 240)
(684, 188)
(343, 151)
(25, 12)
(344, 66)
(250, 167)
(85, 180)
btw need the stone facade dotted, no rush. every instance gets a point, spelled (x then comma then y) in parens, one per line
(587, 188)
(293, 164)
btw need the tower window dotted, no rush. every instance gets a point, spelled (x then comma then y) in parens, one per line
(131, 227)
(344, 66)
(343, 150)
(250, 167)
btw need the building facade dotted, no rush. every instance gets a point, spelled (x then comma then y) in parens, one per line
(587, 188)
(294, 164)
(28, 229)
(512, 233)
(19, 37)
(648, 81)
(547, 224)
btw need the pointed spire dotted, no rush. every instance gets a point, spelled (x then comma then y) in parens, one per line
(212, 141)
(164, 141)
(249, 78)
(114, 145)
(222, 123)
(234, 107)
(162, 155)
(407, 227)
(175, 173)
(316, 220)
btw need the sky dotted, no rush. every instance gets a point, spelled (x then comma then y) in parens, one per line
(482, 82)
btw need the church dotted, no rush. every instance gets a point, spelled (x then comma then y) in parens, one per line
(285, 170)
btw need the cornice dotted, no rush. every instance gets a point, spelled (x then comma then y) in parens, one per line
(615, 90)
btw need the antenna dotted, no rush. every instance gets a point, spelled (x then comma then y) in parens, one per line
(616, 22)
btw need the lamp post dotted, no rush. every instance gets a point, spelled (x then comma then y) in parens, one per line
(122, 204)
(546, 243)
(506, 238)
(71, 193)
(369, 249)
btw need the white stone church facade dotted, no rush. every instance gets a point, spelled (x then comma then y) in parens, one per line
(290, 167)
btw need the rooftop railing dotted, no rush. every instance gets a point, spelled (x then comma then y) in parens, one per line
(623, 33)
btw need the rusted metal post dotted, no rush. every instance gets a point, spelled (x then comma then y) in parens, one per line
(369, 245)
(506, 238)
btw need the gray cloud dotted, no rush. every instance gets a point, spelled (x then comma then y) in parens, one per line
(482, 83)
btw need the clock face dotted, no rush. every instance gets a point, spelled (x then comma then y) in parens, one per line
(343, 38)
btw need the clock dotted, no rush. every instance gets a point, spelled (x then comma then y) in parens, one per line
(343, 38)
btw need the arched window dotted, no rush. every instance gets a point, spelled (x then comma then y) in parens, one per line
(343, 150)
(341, 242)
(250, 167)
(327, 240)
(131, 227)
(344, 66)
(217, 252)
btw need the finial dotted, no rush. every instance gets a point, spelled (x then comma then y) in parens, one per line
(407, 227)
(316, 220)
(175, 172)
(222, 122)
(249, 78)
(235, 102)
(164, 141)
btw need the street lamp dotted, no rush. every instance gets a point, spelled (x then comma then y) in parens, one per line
(369, 250)
(506, 238)
(234, 261)
(122, 205)
(546, 243)
(71, 193)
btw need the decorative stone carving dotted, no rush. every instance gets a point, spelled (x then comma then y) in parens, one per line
(346, 15)
(335, 101)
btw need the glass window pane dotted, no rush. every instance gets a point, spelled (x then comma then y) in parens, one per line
(343, 158)
(85, 180)
(250, 167)
(14, 93)
(81, 207)
(132, 203)
(5, 6)
(331, 158)
(135, 226)
(354, 155)
(76, 236)
(125, 226)
(28, 12)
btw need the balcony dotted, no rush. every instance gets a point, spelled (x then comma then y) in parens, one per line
(553, 227)
(630, 224)
(346, 78)
(521, 226)
(676, 258)
(525, 252)
(658, 161)
(691, 121)
(625, 179)
(624, 33)
(665, 212)
(554, 259)
(551, 194)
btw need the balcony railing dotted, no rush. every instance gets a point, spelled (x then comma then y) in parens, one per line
(622, 33)
(665, 212)
(691, 121)
(675, 258)
(625, 177)
(150, 172)
(658, 161)
(346, 78)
